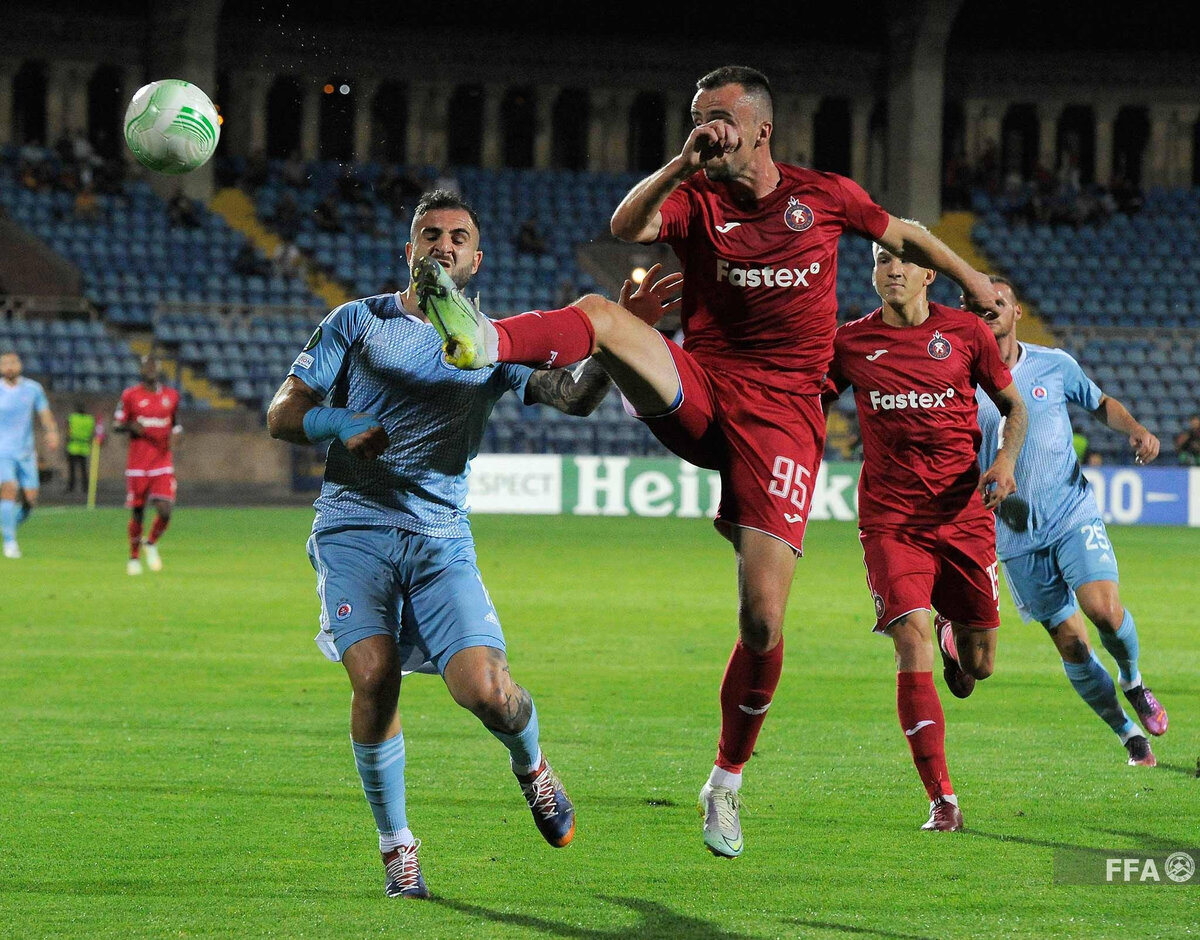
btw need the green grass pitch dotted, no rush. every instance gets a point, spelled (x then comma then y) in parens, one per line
(176, 759)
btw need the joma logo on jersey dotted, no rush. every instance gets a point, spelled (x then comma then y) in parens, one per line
(889, 401)
(765, 277)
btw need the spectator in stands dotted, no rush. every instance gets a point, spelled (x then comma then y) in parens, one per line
(287, 218)
(328, 215)
(1187, 443)
(286, 260)
(293, 172)
(529, 238)
(248, 264)
(87, 209)
(181, 211)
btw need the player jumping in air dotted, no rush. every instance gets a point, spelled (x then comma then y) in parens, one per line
(1051, 540)
(758, 244)
(391, 544)
(928, 536)
(148, 413)
(20, 400)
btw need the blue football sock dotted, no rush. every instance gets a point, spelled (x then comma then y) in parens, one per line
(523, 746)
(1123, 646)
(8, 520)
(381, 768)
(1095, 686)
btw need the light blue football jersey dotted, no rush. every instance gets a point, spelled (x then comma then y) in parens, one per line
(1049, 479)
(370, 356)
(18, 404)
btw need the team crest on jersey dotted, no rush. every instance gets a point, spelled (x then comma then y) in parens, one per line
(1039, 392)
(343, 610)
(879, 607)
(939, 347)
(313, 340)
(797, 216)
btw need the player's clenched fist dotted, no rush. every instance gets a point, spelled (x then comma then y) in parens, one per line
(368, 444)
(709, 142)
(996, 483)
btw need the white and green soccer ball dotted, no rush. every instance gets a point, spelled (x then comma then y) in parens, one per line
(171, 126)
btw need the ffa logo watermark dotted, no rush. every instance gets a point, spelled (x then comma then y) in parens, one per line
(939, 347)
(797, 216)
(343, 610)
(1116, 867)
(1039, 392)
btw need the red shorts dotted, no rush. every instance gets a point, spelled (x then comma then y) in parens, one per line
(766, 443)
(141, 485)
(950, 568)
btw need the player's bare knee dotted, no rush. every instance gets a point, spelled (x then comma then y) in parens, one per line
(1107, 616)
(760, 632)
(605, 316)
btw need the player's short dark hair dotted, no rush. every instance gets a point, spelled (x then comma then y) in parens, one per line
(752, 80)
(1001, 279)
(442, 199)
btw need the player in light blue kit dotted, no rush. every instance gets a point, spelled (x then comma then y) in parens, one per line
(1050, 539)
(20, 400)
(391, 544)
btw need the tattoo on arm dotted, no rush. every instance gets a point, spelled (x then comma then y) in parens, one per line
(574, 392)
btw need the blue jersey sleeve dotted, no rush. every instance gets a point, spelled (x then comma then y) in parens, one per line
(1077, 387)
(320, 362)
(40, 402)
(516, 377)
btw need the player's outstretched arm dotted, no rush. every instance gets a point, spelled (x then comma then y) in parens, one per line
(1145, 445)
(914, 244)
(637, 218)
(296, 415)
(999, 480)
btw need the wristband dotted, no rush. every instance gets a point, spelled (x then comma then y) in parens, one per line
(324, 424)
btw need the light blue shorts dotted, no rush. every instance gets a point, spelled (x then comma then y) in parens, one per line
(425, 592)
(1043, 583)
(23, 470)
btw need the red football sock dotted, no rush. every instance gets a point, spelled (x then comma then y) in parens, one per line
(156, 530)
(135, 538)
(546, 338)
(920, 708)
(746, 691)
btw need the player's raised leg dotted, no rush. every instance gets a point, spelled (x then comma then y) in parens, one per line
(1091, 680)
(378, 741)
(921, 717)
(479, 680)
(631, 351)
(765, 569)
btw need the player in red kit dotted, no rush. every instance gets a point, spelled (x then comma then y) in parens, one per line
(928, 534)
(147, 413)
(758, 244)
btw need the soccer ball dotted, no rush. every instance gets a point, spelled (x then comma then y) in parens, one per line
(171, 126)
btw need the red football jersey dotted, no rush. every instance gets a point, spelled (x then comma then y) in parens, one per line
(760, 281)
(154, 412)
(914, 388)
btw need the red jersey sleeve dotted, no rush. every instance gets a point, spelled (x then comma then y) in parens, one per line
(676, 213)
(988, 368)
(863, 214)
